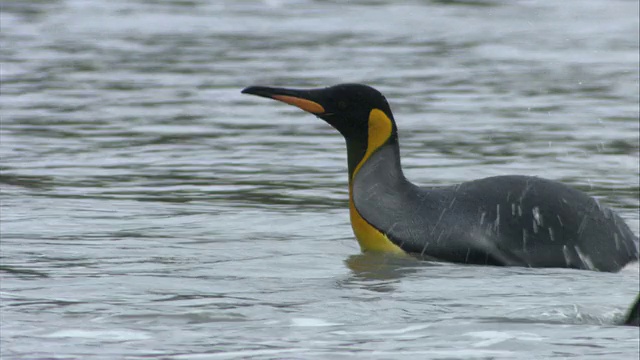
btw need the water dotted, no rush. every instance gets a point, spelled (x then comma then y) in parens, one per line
(149, 210)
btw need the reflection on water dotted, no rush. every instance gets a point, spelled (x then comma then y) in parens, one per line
(381, 266)
(379, 272)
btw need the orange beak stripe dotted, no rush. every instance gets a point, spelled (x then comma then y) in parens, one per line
(304, 104)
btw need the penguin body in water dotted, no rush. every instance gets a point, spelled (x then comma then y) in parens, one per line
(503, 220)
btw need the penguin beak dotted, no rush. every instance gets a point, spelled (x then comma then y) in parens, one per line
(306, 100)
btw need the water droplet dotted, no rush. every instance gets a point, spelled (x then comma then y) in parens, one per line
(536, 215)
(586, 261)
(567, 256)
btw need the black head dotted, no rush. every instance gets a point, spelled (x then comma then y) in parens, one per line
(346, 107)
(359, 112)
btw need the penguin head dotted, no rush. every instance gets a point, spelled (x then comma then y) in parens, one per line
(349, 108)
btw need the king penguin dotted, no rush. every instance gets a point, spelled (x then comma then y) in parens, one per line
(503, 220)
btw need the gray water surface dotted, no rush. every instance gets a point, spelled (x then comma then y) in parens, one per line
(149, 210)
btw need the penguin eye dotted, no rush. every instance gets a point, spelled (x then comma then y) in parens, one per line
(342, 104)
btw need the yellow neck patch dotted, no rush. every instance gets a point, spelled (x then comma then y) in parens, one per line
(370, 238)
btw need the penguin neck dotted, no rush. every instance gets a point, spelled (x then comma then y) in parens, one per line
(384, 158)
(356, 152)
(375, 176)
